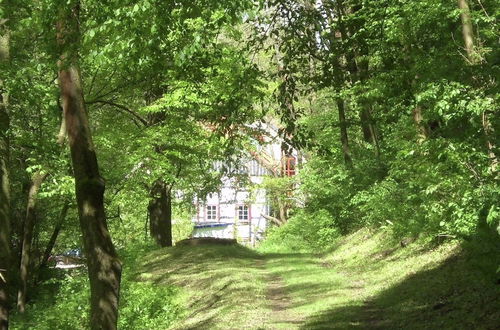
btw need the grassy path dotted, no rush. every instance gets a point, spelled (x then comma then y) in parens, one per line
(278, 301)
(365, 282)
(368, 281)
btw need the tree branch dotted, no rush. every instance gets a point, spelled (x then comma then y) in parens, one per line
(272, 219)
(120, 107)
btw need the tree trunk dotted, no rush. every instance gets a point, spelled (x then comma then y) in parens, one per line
(55, 234)
(104, 267)
(160, 214)
(467, 31)
(418, 118)
(489, 133)
(357, 71)
(343, 134)
(5, 256)
(29, 225)
(283, 211)
(474, 58)
(369, 130)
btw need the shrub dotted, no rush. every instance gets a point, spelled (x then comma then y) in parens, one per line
(63, 302)
(303, 232)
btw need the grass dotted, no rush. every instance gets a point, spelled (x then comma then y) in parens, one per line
(370, 282)
(365, 281)
(223, 287)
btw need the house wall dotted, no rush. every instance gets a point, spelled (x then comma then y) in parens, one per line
(231, 196)
(227, 201)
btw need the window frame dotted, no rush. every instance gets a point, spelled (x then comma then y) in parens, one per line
(211, 213)
(245, 208)
(290, 165)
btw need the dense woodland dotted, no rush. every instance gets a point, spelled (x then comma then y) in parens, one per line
(112, 114)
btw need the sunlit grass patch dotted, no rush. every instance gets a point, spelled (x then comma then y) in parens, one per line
(221, 286)
(367, 280)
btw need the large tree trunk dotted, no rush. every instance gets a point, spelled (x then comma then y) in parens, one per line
(104, 267)
(29, 225)
(55, 234)
(5, 256)
(160, 214)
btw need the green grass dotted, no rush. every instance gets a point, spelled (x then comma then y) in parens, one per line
(370, 281)
(366, 281)
(222, 286)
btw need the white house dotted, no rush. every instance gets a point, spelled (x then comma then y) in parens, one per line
(237, 210)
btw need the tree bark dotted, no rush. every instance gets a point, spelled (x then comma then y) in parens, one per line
(475, 58)
(29, 225)
(283, 210)
(343, 134)
(55, 234)
(369, 129)
(357, 66)
(5, 256)
(160, 214)
(277, 221)
(467, 31)
(104, 267)
(489, 132)
(418, 118)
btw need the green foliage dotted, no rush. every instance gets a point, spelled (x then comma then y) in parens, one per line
(171, 87)
(304, 231)
(147, 306)
(60, 303)
(63, 301)
(432, 176)
(182, 226)
(279, 192)
(143, 304)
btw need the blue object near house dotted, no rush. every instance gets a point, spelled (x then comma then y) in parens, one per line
(213, 229)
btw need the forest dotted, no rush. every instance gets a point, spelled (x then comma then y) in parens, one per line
(114, 112)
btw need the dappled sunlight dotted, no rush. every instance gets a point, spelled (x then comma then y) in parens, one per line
(349, 288)
(216, 282)
(88, 209)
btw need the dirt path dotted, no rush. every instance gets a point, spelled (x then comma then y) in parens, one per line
(278, 302)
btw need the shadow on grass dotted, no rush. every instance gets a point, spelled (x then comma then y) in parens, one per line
(216, 279)
(461, 293)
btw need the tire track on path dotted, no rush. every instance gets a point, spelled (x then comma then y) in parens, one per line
(278, 301)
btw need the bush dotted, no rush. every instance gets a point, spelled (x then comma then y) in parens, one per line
(303, 232)
(145, 305)
(68, 308)
(64, 301)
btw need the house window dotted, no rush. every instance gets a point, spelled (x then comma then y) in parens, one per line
(211, 212)
(243, 213)
(289, 166)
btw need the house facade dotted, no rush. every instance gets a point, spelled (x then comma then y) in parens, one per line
(239, 209)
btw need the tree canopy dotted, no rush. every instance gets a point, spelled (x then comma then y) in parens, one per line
(391, 105)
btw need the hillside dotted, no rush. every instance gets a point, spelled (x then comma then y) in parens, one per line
(366, 281)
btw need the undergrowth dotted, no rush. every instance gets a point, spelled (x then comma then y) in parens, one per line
(63, 301)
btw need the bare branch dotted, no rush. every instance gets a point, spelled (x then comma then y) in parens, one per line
(120, 107)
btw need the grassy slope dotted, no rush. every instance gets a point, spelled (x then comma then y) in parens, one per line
(223, 286)
(368, 282)
(364, 282)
